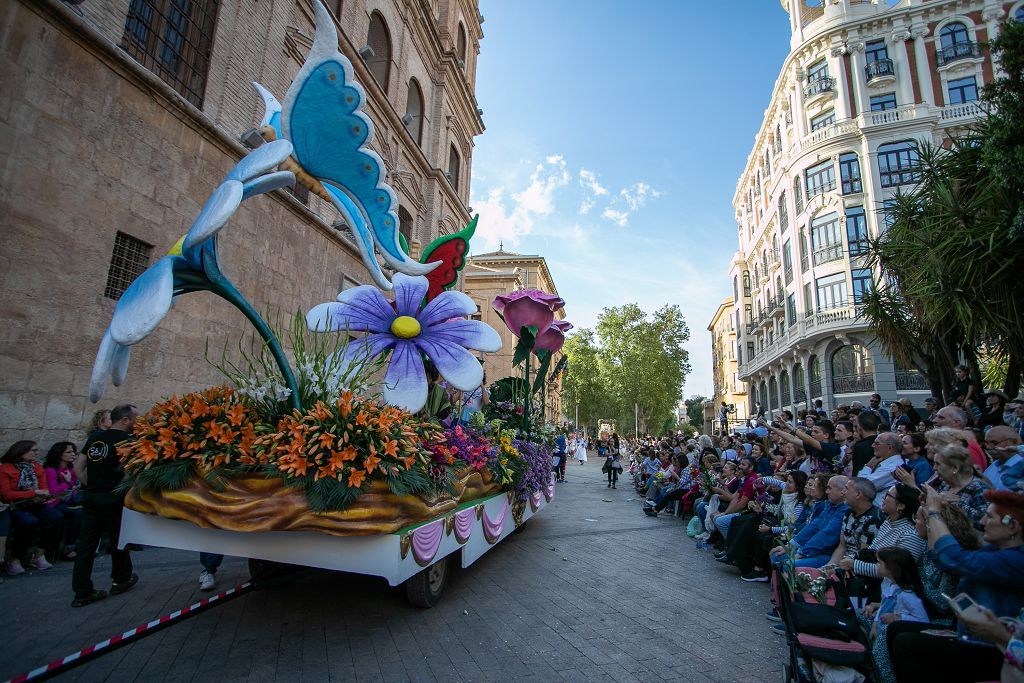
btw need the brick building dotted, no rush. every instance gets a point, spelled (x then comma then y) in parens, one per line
(121, 116)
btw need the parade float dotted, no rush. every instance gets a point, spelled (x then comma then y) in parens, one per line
(341, 440)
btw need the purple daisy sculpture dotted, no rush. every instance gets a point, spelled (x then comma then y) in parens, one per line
(410, 331)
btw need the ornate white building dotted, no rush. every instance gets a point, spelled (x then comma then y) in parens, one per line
(865, 83)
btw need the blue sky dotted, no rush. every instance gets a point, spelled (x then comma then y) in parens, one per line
(615, 136)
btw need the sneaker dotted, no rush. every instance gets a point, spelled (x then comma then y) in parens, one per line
(650, 512)
(720, 553)
(40, 563)
(207, 580)
(124, 586)
(773, 615)
(95, 596)
(755, 576)
(724, 559)
(14, 568)
(613, 485)
(780, 629)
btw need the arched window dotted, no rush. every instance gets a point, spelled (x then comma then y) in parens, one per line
(783, 212)
(1018, 14)
(405, 224)
(799, 391)
(798, 198)
(413, 118)
(378, 58)
(757, 272)
(454, 162)
(764, 395)
(814, 371)
(746, 283)
(786, 397)
(773, 393)
(898, 164)
(954, 33)
(852, 370)
(460, 47)
(735, 288)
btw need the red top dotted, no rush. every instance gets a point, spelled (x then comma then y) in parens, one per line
(9, 475)
(747, 489)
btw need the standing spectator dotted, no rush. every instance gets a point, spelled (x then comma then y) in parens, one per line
(819, 409)
(64, 486)
(875, 403)
(861, 521)
(992, 416)
(99, 469)
(931, 405)
(962, 389)
(723, 416)
(1017, 421)
(955, 418)
(914, 446)
(863, 447)
(897, 417)
(208, 577)
(911, 412)
(23, 486)
(100, 422)
(1007, 468)
(759, 410)
(888, 456)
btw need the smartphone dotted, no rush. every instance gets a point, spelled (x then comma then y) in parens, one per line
(960, 602)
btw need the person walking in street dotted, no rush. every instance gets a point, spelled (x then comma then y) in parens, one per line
(581, 448)
(99, 469)
(561, 448)
(612, 466)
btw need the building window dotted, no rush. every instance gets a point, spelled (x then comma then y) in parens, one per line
(804, 265)
(172, 39)
(962, 90)
(750, 350)
(129, 260)
(791, 309)
(1018, 14)
(888, 213)
(413, 118)
(735, 288)
(460, 47)
(883, 102)
(852, 370)
(862, 284)
(831, 291)
(875, 51)
(955, 44)
(953, 34)
(821, 178)
(787, 261)
(808, 299)
(453, 166)
(797, 195)
(405, 224)
(378, 61)
(786, 396)
(856, 230)
(823, 119)
(783, 212)
(849, 172)
(748, 312)
(826, 240)
(898, 163)
(814, 374)
(817, 70)
(746, 283)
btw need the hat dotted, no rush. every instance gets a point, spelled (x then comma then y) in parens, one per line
(759, 432)
(932, 399)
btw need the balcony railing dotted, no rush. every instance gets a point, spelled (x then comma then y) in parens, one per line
(960, 111)
(957, 51)
(911, 380)
(815, 388)
(880, 68)
(817, 86)
(853, 384)
(827, 254)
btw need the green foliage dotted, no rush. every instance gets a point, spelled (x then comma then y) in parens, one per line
(695, 410)
(1003, 131)
(328, 494)
(635, 362)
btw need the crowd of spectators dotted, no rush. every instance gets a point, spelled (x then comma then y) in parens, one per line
(919, 513)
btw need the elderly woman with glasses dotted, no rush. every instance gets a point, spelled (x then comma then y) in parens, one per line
(23, 487)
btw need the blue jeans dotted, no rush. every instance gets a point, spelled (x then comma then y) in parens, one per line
(723, 522)
(210, 561)
(72, 523)
(27, 520)
(814, 561)
(702, 511)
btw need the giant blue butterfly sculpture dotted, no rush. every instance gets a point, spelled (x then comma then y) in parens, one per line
(322, 116)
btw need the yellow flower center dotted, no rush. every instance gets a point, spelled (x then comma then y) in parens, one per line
(405, 327)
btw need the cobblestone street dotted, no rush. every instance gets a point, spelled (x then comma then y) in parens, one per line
(591, 590)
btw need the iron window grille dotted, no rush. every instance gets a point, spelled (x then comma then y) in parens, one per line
(128, 261)
(173, 39)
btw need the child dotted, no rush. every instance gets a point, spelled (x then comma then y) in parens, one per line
(902, 600)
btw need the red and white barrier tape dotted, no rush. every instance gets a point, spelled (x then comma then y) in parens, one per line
(76, 658)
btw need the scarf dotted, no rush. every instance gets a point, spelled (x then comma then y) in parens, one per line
(28, 480)
(787, 506)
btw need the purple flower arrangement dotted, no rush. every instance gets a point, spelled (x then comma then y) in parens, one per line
(537, 467)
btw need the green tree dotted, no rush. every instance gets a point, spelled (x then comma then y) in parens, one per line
(695, 411)
(583, 383)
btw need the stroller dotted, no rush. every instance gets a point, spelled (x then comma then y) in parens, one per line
(825, 638)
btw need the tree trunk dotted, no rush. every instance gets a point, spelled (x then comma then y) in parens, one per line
(1013, 374)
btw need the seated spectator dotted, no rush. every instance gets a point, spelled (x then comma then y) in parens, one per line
(819, 444)
(911, 412)
(899, 505)
(902, 600)
(1016, 422)
(914, 457)
(63, 485)
(728, 451)
(722, 494)
(762, 463)
(816, 542)
(738, 503)
(861, 521)
(955, 418)
(991, 576)
(959, 483)
(1007, 468)
(887, 457)
(23, 486)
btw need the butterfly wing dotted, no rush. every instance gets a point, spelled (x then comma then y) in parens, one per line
(271, 109)
(450, 252)
(323, 118)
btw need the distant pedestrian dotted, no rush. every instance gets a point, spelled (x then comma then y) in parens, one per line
(581, 448)
(99, 469)
(561, 448)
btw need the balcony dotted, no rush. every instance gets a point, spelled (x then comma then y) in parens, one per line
(956, 52)
(880, 72)
(819, 86)
(964, 111)
(911, 380)
(775, 305)
(847, 127)
(827, 254)
(853, 384)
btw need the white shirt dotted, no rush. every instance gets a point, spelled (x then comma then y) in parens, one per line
(994, 473)
(881, 476)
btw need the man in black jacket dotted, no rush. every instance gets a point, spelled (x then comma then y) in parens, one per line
(99, 469)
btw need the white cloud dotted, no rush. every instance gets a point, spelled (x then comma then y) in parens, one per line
(509, 224)
(591, 190)
(620, 218)
(637, 194)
